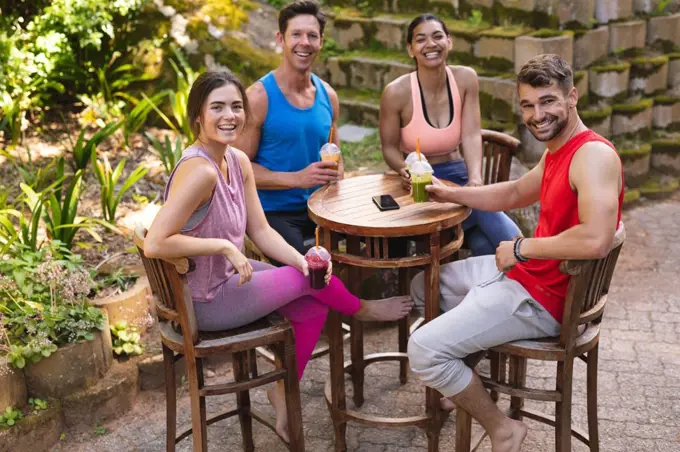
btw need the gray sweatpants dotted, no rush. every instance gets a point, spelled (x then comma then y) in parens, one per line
(482, 308)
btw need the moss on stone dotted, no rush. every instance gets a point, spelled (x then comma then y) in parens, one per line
(673, 56)
(359, 95)
(666, 146)
(643, 67)
(494, 107)
(549, 33)
(510, 32)
(535, 19)
(497, 64)
(238, 55)
(578, 76)
(499, 126)
(611, 67)
(666, 99)
(632, 109)
(631, 196)
(657, 187)
(635, 151)
(592, 117)
(466, 30)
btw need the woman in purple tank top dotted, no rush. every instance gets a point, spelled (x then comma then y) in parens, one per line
(210, 204)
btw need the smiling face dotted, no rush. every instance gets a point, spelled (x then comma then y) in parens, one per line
(430, 44)
(546, 110)
(223, 115)
(301, 42)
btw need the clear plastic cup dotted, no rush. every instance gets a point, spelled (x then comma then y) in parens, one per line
(412, 158)
(421, 176)
(317, 259)
(330, 153)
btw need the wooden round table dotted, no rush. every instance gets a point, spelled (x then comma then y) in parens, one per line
(345, 212)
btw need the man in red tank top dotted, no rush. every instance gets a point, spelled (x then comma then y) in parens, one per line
(520, 293)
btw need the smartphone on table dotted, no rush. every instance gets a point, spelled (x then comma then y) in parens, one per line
(385, 202)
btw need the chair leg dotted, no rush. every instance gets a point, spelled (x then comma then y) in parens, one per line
(593, 430)
(495, 364)
(563, 408)
(240, 366)
(463, 430)
(518, 377)
(170, 399)
(293, 404)
(198, 417)
(252, 362)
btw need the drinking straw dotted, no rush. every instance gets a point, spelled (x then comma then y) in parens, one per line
(418, 149)
(316, 231)
(330, 137)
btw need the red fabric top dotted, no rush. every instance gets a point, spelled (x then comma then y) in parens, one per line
(559, 212)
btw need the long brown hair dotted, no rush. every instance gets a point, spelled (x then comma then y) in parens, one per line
(206, 83)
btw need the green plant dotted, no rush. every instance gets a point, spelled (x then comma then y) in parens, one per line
(168, 152)
(37, 405)
(476, 18)
(34, 331)
(126, 339)
(100, 430)
(661, 6)
(82, 150)
(178, 98)
(118, 278)
(10, 417)
(108, 179)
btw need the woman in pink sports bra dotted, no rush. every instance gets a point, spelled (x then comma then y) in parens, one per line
(439, 104)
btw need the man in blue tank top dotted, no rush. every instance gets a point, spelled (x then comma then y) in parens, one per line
(292, 114)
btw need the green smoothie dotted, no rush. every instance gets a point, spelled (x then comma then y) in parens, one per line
(418, 183)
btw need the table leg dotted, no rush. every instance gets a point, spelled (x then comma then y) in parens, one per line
(336, 361)
(403, 327)
(434, 412)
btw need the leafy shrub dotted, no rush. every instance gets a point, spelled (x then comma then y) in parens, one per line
(126, 339)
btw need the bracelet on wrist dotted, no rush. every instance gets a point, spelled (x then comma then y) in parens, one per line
(516, 252)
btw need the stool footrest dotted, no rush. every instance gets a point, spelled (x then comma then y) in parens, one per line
(238, 386)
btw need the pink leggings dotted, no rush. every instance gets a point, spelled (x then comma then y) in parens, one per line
(283, 289)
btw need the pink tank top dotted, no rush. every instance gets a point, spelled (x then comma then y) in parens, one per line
(433, 141)
(225, 218)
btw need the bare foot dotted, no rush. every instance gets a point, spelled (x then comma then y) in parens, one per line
(509, 438)
(384, 310)
(277, 398)
(447, 404)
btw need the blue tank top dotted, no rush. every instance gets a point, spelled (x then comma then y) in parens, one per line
(291, 139)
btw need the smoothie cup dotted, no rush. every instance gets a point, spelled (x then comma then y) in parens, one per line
(317, 259)
(412, 158)
(330, 153)
(421, 176)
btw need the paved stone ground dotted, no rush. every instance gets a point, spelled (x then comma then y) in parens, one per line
(639, 373)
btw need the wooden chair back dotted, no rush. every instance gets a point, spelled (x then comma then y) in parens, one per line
(171, 291)
(588, 289)
(497, 150)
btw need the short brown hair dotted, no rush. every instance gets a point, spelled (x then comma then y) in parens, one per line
(300, 8)
(543, 70)
(205, 84)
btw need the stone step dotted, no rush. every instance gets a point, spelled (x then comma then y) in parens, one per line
(37, 432)
(534, 13)
(111, 397)
(389, 31)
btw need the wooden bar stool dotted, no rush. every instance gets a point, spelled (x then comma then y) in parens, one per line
(579, 338)
(181, 339)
